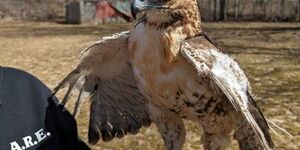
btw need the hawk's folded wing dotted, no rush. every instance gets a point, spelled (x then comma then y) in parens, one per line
(117, 106)
(227, 77)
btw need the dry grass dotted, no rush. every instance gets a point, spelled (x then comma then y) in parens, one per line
(269, 52)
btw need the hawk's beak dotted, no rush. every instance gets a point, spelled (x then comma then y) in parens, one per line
(140, 5)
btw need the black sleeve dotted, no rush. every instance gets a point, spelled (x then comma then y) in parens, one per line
(30, 119)
(63, 127)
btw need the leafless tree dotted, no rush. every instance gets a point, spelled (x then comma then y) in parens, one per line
(236, 12)
(222, 9)
(265, 9)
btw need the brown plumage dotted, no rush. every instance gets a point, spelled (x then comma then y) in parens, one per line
(168, 69)
(104, 73)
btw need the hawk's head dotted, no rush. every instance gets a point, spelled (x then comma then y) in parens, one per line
(165, 13)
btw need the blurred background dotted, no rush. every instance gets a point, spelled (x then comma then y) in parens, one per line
(45, 37)
(78, 11)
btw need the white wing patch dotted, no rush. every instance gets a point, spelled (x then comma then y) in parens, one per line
(223, 70)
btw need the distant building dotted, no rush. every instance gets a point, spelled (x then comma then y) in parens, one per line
(102, 11)
(119, 10)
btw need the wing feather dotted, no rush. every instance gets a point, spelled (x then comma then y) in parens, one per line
(117, 106)
(226, 75)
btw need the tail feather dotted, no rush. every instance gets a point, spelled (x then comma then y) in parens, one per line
(278, 127)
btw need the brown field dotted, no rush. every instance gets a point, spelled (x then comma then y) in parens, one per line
(269, 53)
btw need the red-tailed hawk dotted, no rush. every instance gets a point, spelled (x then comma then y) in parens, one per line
(164, 70)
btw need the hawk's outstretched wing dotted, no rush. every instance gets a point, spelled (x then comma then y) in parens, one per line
(227, 77)
(117, 106)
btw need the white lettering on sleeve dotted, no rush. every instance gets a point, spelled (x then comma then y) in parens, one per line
(40, 135)
(15, 146)
(31, 141)
(28, 141)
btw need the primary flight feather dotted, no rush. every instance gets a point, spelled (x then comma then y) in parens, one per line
(164, 70)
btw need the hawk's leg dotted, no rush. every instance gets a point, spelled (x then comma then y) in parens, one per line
(170, 126)
(217, 132)
(218, 125)
(245, 135)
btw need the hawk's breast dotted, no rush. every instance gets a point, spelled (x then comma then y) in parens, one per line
(171, 84)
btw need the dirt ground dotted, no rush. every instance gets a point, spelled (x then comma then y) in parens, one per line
(269, 53)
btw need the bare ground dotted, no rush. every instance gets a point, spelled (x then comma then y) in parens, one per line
(269, 52)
